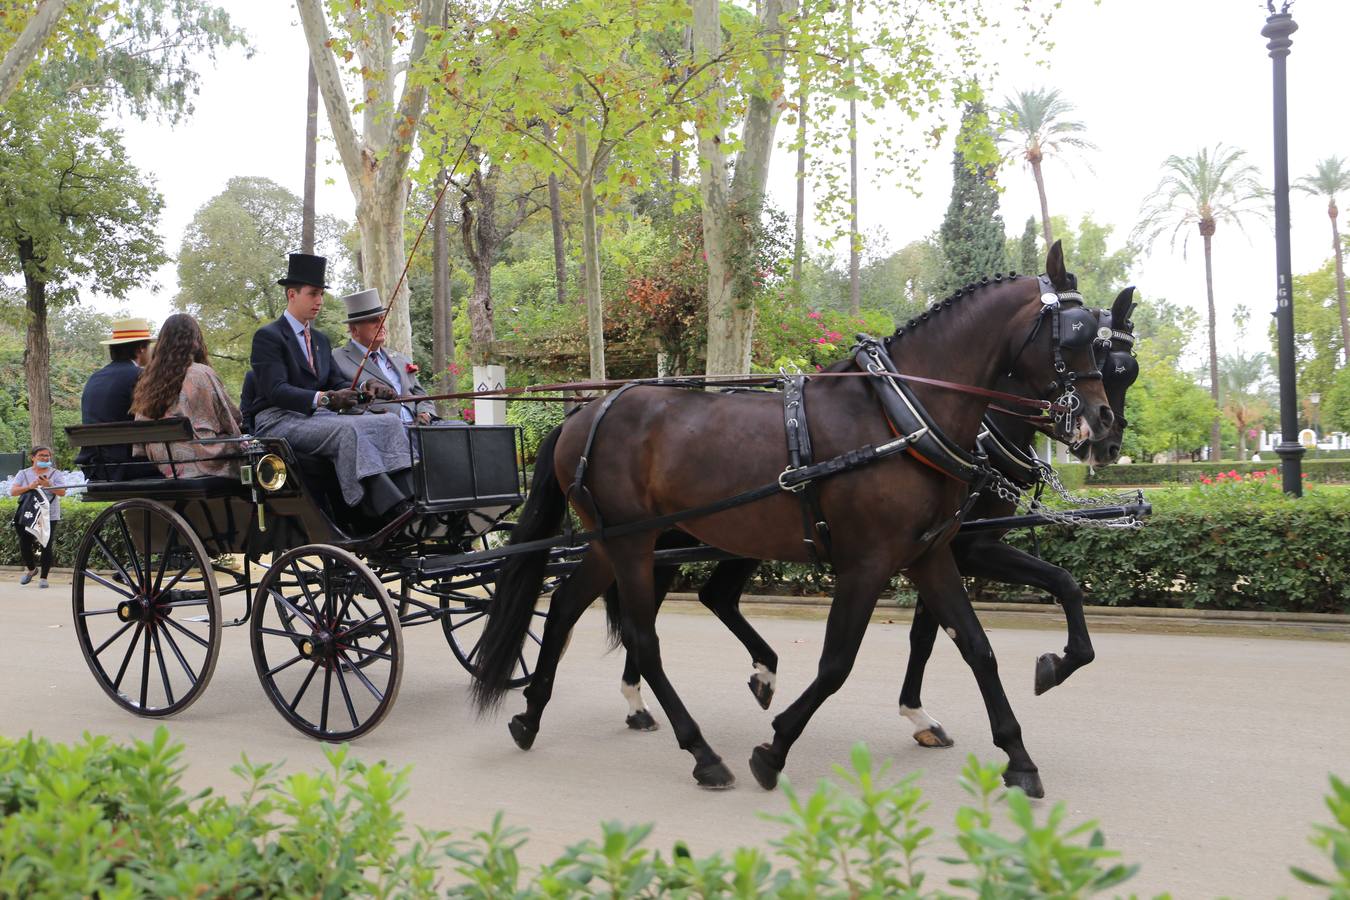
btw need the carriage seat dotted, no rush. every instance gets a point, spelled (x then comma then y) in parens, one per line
(151, 431)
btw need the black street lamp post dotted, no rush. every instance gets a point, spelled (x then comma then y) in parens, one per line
(1279, 26)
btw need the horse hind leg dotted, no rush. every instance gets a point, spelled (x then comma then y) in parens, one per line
(571, 598)
(722, 596)
(928, 731)
(637, 597)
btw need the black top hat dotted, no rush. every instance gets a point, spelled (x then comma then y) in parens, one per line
(305, 269)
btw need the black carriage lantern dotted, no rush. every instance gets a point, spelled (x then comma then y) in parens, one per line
(1278, 30)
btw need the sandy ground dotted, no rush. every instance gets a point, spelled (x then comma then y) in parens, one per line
(1204, 758)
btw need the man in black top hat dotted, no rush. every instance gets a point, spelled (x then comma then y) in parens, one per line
(297, 394)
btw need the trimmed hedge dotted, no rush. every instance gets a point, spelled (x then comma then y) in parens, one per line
(1322, 471)
(75, 518)
(1226, 545)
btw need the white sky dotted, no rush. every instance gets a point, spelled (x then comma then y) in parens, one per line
(1149, 78)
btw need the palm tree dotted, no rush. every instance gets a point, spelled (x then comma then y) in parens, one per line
(1332, 178)
(1244, 401)
(1037, 125)
(1203, 190)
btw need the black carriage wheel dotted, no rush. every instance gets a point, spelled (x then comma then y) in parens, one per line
(143, 587)
(464, 603)
(326, 642)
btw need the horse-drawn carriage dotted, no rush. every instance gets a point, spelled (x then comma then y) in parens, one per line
(326, 615)
(325, 593)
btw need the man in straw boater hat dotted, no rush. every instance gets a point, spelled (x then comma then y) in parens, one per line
(365, 326)
(107, 398)
(297, 394)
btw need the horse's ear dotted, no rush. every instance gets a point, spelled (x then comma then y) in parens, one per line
(1054, 267)
(1121, 309)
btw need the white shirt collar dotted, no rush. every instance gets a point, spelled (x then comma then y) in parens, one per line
(296, 325)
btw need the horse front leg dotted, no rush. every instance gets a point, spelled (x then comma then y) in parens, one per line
(854, 599)
(939, 583)
(1001, 562)
(923, 629)
(722, 595)
(633, 569)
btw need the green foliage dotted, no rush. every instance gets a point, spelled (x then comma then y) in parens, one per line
(535, 420)
(1336, 402)
(1318, 469)
(147, 57)
(231, 257)
(1334, 841)
(789, 335)
(1226, 545)
(71, 203)
(75, 518)
(1168, 411)
(1027, 259)
(1317, 331)
(972, 235)
(1101, 273)
(101, 819)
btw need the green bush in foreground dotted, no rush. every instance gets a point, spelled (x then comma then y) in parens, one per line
(101, 819)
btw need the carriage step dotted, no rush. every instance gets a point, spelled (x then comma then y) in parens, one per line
(197, 619)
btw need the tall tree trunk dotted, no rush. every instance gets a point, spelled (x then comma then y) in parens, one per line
(559, 250)
(1215, 439)
(37, 358)
(1338, 252)
(854, 238)
(28, 45)
(1045, 206)
(311, 162)
(729, 323)
(590, 251)
(442, 312)
(482, 329)
(799, 223)
(383, 258)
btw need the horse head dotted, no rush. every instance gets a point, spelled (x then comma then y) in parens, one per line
(1115, 357)
(1054, 355)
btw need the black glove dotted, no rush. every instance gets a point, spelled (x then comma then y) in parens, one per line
(340, 400)
(378, 389)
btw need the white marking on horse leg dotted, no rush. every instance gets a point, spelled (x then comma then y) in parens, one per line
(633, 694)
(921, 720)
(951, 633)
(764, 676)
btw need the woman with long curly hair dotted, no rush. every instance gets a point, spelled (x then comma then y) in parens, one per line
(180, 382)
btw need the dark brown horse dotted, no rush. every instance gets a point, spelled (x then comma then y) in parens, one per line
(663, 450)
(980, 554)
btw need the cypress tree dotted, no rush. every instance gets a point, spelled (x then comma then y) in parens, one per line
(972, 237)
(1029, 262)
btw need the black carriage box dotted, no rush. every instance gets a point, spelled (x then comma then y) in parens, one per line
(469, 465)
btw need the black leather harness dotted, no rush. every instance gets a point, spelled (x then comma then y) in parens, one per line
(814, 526)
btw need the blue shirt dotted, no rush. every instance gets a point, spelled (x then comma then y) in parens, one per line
(299, 328)
(390, 374)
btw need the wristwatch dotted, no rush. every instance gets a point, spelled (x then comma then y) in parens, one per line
(323, 400)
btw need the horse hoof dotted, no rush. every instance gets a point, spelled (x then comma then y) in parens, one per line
(764, 767)
(714, 776)
(762, 690)
(521, 732)
(1029, 782)
(1046, 677)
(642, 721)
(934, 737)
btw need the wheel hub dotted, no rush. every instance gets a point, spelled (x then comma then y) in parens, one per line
(137, 610)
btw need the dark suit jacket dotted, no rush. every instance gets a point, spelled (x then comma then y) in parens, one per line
(107, 398)
(282, 376)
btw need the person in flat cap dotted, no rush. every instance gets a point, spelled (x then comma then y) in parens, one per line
(365, 352)
(107, 398)
(294, 391)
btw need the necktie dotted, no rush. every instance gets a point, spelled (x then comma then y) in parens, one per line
(309, 349)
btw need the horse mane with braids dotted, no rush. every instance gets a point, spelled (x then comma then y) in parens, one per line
(179, 345)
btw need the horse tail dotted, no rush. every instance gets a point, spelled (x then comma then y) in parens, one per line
(519, 582)
(613, 616)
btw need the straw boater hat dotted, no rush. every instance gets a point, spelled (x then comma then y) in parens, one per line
(362, 306)
(129, 331)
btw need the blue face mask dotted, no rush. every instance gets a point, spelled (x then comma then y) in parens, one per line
(44, 464)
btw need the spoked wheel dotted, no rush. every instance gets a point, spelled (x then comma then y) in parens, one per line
(465, 604)
(147, 609)
(326, 642)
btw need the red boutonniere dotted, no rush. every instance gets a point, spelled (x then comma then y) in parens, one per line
(412, 368)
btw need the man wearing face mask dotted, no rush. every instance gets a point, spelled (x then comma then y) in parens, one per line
(43, 477)
(107, 398)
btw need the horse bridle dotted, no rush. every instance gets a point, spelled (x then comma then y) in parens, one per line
(1074, 326)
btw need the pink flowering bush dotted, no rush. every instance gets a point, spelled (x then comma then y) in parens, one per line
(788, 334)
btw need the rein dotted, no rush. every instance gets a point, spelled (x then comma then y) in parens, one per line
(696, 381)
